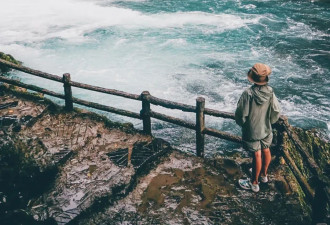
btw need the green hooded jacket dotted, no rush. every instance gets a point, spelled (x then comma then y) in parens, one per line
(257, 109)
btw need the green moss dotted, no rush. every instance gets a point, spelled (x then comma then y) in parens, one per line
(298, 159)
(318, 148)
(9, 58)
(297, 190)
(319, 151)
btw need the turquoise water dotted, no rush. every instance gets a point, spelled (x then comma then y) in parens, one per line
(179, 50)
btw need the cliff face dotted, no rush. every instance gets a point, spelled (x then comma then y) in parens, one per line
(77, 167)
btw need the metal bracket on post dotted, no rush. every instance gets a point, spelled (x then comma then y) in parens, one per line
(67, 92)
(200, 125)
(145, 112)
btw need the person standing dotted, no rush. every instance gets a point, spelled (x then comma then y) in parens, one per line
(256, 110)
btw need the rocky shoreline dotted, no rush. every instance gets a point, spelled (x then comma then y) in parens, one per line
(78, 167)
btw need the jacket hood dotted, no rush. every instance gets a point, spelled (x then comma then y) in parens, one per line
(261, 94)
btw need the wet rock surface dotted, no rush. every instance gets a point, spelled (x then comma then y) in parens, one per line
(187, 190)
(79, 168)
(76, 146)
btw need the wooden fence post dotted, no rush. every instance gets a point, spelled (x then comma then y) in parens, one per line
(67, 92)
(145, 112)
(200, 125)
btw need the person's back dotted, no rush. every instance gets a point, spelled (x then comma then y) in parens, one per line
(257, 109)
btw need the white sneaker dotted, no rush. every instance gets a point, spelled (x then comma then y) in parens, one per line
(247, 185)
(264, 179)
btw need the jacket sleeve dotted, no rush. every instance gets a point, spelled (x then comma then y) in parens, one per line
(275, 110)
(242, 110)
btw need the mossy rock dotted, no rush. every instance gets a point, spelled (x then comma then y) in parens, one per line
(319, 149)
(9, 58)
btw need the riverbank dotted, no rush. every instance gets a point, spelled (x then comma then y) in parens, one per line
(78, 167)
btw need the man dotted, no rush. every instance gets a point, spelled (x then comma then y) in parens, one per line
(257, 109)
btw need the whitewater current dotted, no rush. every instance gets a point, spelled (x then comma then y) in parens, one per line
(178, 50)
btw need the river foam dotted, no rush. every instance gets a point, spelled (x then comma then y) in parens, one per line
(39, 20)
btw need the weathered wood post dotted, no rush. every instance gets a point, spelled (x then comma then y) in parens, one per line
(145, 112)
(67, 92)
(200, 125)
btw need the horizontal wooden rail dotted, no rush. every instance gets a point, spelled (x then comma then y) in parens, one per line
(31, 71)
(188, 108)
(31, 87)
(72, 83)
(221, 114)
(174, 120)
(189, 125)
(171, 105)
(105, 90)
(106, 108)
(75, 100)
(222, 135)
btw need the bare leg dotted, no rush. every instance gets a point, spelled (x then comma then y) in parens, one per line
(266, 156)
(257, 163)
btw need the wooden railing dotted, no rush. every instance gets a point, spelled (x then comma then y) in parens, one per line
(145, 114)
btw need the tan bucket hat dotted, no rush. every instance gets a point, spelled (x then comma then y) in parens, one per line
(259, 73)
